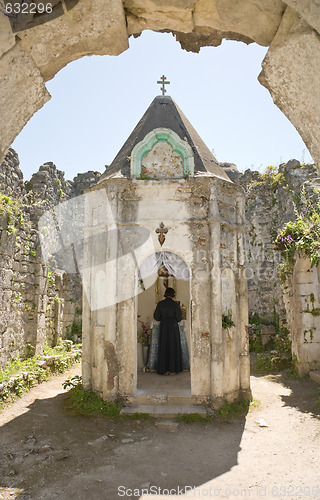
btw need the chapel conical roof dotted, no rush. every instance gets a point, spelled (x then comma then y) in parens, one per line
(164, 112)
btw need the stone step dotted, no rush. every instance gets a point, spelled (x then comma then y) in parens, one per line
(163, 411)
(160, 399)
(315, 375)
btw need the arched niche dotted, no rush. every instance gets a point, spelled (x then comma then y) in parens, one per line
(155, 282)
(158, 136)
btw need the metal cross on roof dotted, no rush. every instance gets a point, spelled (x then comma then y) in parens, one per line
(163, 82)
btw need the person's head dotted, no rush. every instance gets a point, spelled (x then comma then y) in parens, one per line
(169, 292)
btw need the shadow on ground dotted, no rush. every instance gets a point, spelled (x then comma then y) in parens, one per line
(50, 454)
(304, 391)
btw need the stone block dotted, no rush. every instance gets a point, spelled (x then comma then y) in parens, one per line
(7, 38)
(306, 289)
(267, 333)
(309, 10)
(290, 73)
(150, 14)
(91, 27)
(304, 278)
(22, 93)
(5, 277)
(256, 21)
(292, 165)
(307, 321)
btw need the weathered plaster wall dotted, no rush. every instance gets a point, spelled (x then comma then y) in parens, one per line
(302, 302)
(289, 27)
(205, 221)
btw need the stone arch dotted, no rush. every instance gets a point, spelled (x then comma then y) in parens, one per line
(290, 28)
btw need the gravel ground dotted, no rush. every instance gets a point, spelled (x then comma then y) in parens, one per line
(274, 452)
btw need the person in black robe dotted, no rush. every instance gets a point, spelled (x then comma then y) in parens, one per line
(168, 312)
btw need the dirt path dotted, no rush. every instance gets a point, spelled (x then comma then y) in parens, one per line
(48, 454)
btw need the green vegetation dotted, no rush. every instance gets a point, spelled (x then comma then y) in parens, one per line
(71, 382)
(318, 399)
(226, 412)
(282, 341)
(19, 375)
(255, 319)
(255, 341)
(231, 410)
(301, 236)
(139, 416)
(75, 329)
(10, 206)
(13, 210)
(17, 366)
(227, 321)
(271, 363)
(89, 403)
(270, 177)
(191, 418)
(50, 277)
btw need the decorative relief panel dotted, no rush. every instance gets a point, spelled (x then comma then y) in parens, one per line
(162, 162)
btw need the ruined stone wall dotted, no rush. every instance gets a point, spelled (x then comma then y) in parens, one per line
(269, 205)
(11, 177)
(37, 304)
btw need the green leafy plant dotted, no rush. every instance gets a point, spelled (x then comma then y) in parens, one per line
(192, 418)
(236, 409)
(89, 403)
(282, 341)
(19, 375)
(227, 321)
(72, 381)
(50, 277)
(270, 177)
(301, 236)
(270, 363)
(74, 329)
(255, 341)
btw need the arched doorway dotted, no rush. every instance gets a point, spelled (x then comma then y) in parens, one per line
(158, 272)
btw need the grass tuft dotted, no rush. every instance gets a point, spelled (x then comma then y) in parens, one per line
(191, 418)
(89, 403)
(231, 410)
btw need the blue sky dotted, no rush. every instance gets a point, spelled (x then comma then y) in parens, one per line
(97, 101)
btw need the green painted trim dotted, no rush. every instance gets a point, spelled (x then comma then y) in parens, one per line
(162, 135)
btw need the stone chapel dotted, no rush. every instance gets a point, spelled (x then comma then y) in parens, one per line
(165, 213)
